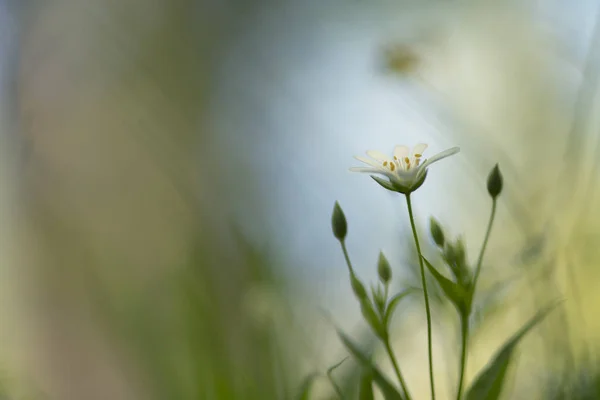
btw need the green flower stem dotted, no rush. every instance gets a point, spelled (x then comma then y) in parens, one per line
(484, 245)
(464, 332)
(464, 318)
(350, 269)
(424, 283)
(390, 352)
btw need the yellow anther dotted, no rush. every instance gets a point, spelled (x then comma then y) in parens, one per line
(418, 155)
(407, 160)
(385, 163)
(392, 166)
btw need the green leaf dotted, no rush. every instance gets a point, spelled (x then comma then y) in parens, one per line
(387, 389)
(455, 293)
(393, 303)
(306, 387)
(489, 383)
(365, 392)
(372, 318)
(358, 288)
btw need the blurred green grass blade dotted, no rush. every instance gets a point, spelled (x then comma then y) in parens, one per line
(388, 390)
(352, 372)
(490, 382)
(365, 391)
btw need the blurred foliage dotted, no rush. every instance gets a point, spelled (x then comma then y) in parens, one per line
(189, 349)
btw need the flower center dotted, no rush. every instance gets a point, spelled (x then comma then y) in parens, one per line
(404, 164)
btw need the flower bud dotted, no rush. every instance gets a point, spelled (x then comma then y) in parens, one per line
(338, 222)
(494, 183)
(384, 269)
(436, 232)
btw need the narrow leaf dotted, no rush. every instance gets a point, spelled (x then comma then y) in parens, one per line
(393, 303)
(388, 390)
(330, 370)
(332, 381)
(365, 391)
(455, 293)
(490, 382)
(372, 318)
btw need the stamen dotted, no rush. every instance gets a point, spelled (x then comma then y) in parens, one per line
(392, 167)
(418, 155)
(385, 163)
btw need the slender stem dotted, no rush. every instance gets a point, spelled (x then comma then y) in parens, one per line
(424, 283)
(484, 245)
(343, 243)
(387, 286)
(390, 352)
(464, 317)
(464, 332)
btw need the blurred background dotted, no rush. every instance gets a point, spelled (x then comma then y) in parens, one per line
(169, 168)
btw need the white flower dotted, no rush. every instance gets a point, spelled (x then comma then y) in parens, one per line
(405, 171)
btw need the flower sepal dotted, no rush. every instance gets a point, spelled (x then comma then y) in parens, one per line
(399, 188)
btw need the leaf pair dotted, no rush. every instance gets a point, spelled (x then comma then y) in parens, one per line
(457, 294)
(393, 303)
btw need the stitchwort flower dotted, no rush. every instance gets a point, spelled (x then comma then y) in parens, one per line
(405, 170)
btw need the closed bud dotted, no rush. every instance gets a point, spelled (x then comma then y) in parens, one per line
(358, 288)
(338, 222)
(495, 181)
(384, 269)
(436, 232)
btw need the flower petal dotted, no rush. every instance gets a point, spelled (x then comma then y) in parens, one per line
(377, 155)
(419, 149)
(439, 156)
(435, 158)
(368, 161)
(365, 169)
(401, 151)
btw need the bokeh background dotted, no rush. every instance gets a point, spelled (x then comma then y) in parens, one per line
(169, 167)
